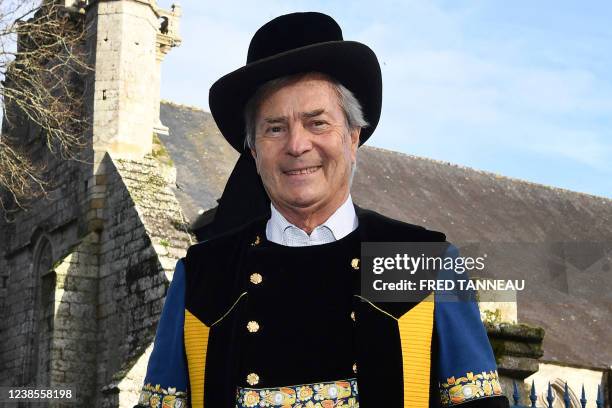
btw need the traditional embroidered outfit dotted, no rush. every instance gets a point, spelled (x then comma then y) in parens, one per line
(250, 322)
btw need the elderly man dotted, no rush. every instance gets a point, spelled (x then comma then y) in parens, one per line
(270, 313)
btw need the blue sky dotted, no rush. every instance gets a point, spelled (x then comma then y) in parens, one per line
(522, 89)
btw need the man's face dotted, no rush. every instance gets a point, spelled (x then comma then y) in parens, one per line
(303, 148)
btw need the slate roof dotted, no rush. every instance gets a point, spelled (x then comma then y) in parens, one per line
(566, 257)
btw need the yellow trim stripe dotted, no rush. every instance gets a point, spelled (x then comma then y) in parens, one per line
(416, 329)
(196, 345)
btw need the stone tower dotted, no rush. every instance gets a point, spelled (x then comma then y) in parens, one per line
(84, 271)
(131, 40)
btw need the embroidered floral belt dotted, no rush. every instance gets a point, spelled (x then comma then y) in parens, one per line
(320, 395)
(472, 386)
(155, 396)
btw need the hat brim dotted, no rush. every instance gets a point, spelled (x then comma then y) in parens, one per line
(352, 63)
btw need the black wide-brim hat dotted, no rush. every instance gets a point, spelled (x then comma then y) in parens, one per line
(291, 44)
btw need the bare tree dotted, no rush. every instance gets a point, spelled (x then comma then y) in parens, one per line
(43, 63)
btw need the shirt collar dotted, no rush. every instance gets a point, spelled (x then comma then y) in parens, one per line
(341, 223)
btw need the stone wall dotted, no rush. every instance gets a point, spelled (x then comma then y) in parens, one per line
(56, 219)
(84, 271)
(576, 377)
(144, 235)
(48, 263)
(73, 346)
(114, 240)
(517, 348)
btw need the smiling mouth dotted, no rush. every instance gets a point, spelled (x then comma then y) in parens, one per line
(306, 170)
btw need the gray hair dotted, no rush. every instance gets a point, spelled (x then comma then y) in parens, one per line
(348, 103)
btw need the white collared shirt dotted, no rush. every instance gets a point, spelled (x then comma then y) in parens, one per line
(341, 223)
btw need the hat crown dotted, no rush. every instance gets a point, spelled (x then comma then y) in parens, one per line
(292, 31)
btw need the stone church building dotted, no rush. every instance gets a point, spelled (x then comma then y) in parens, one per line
(84, 272)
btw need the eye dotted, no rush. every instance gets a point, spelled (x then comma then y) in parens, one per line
(274, 129)
(318, 124)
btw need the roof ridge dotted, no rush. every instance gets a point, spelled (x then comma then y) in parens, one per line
(183, 105)
(491, 173)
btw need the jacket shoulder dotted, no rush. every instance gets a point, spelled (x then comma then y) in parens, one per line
(225, 240)
(383, 228)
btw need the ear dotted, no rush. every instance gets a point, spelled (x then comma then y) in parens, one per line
(355, 133)
(254, 154)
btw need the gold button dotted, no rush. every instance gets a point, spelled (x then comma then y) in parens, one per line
(353, 316)
(355, 367)
(252, 326)
(355, 263)
(252, 379)
(257, 241)
(256, 278)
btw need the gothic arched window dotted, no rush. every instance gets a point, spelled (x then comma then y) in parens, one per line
(40, 340)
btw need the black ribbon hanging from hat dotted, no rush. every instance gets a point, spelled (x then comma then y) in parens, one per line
(243, 200)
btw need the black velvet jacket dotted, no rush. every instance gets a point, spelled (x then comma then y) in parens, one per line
(313, 326)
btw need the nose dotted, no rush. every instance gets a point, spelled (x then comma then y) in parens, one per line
(298, 141)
